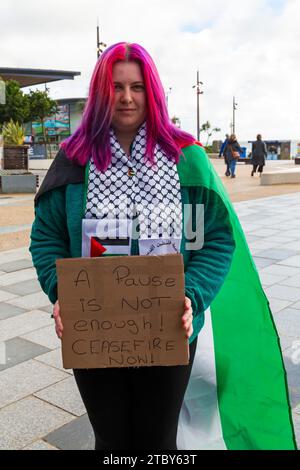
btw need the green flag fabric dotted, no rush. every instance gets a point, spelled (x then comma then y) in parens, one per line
(251, 409)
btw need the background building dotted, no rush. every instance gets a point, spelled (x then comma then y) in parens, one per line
(58, 126)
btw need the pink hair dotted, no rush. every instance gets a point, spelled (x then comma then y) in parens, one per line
(92, 138)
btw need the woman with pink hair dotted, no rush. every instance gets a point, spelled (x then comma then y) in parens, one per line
(127, 158)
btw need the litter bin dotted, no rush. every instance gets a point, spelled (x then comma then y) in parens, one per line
(243, 153)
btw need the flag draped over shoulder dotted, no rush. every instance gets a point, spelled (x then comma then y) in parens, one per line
(250, 389)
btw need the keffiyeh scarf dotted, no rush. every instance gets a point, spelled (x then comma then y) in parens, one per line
(133, 199)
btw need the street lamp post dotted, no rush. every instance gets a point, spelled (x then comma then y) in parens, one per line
(234, 105)
(99, 44)
(199, 92)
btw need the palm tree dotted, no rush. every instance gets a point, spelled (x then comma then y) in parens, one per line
(206, 127)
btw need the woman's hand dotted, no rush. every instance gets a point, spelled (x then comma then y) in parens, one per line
(187, 319)
(58, 323)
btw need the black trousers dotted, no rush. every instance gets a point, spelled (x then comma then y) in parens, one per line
(135, 408)
(260, 168)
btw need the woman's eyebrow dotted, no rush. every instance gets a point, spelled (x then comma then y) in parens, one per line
(132, 83)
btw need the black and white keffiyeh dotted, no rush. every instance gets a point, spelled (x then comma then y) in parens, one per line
(133, 187)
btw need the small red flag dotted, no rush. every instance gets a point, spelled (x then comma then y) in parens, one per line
(96, 248)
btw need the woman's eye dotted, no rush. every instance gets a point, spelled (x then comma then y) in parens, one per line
(118, 87)
(138, 87)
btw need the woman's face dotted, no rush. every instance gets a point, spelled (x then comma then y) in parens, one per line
(129, 110)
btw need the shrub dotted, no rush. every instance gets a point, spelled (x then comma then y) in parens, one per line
(13, 133)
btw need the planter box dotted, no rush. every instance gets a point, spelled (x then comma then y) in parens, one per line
(15, 157)
(10, 184)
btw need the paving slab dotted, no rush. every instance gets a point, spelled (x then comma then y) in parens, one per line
(283, 292)
(270, 279)
(288, 322)
(48, 308)
(39, 445)
(31, 301)
(286, 342)
(291, 281)
(291, 261)
(16, 265)
(277, 305)
(23, 288)
(283, 240)
(27, 420)
(64, 395)
(276, 254)
(280, 270)
(250, 237)
(262, 244)
(54, 359)
(262, 262)
(45, 336)
(296, 421)
(293, 378)
(18, 276)
(7, 311)
(25, 379)
(4, 296)
(24, 323)
(14, 228)
(250, 228)
(77, 435)
(266, 232)
(15, 254)
(19, 350)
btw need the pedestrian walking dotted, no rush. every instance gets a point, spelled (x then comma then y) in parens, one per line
(227, 173)
(232, 151)
(259, 153)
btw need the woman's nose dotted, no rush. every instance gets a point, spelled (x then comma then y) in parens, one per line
(126, 96)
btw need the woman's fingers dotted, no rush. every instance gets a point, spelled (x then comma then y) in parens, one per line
(190, 331)
(56, 311)
(59, 329)
(187, 318)
(188, 314)
(58, 322)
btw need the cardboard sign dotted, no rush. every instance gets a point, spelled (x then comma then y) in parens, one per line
(122, 311)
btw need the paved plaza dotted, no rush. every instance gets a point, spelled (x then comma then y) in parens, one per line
(40, 407)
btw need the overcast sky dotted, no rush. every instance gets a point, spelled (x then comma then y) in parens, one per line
(246, 48)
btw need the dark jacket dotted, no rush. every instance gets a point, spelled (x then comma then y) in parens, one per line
(259, 152)
(223, 147)
(231, 146)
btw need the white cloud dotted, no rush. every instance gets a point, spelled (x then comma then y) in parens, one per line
(247, 48)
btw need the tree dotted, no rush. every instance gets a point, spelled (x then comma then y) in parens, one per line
(16, 107)
(206, 127)
(41, 106)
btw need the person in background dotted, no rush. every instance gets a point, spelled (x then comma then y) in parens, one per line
(259, 153)
(232, 153)
(227, 173)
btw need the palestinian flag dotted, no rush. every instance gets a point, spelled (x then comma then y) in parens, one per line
(108, 247)
(105, 238)
(237, 397)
